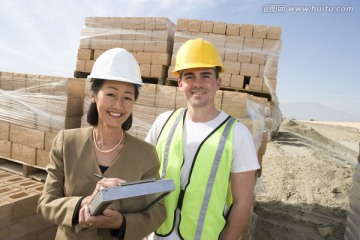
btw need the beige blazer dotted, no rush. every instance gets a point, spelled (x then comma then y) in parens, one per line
(71, 175)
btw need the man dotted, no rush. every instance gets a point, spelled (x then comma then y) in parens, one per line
(210, 156)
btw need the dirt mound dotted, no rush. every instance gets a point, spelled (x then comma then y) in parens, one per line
(307, 175)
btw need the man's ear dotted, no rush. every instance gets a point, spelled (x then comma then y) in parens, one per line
(180, 85)
(218, 81)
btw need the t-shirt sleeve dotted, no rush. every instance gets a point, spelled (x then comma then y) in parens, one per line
(244, 151)
(156, 127)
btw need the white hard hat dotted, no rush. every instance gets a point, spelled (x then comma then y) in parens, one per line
(116, 64)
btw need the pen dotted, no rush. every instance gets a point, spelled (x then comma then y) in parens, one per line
(99, 176)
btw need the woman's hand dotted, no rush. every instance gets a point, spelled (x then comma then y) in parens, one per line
(103, 183)
(110, 218)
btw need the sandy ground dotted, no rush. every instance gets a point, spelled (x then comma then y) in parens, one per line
(307, 174)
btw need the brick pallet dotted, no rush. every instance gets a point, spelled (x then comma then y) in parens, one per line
(149, 39)
(18, 201)
(35, 172)
(33, 109)
(250, 53)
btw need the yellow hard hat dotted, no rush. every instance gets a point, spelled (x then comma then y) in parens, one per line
(197, 53)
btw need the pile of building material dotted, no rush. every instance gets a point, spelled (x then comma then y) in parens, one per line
(18, 201)
(33, 109)
(250, 53)
(149, 39)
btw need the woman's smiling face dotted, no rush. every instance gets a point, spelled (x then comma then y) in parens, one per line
(115, 101)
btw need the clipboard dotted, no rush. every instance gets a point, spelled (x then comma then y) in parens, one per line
(156, 189)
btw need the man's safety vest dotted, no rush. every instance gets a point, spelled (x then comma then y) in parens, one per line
(207, 193)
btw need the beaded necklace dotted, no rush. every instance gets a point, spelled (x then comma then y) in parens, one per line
(110, 150)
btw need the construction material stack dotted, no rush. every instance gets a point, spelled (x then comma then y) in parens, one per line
(33, 109)
(149, 39)
(18, 200)
(249, 52)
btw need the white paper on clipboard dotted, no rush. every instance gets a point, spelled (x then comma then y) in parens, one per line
(157, 189)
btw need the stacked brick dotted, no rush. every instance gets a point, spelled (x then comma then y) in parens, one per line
(250, 53)
(33, 109)
(18, 200)
(149, 39)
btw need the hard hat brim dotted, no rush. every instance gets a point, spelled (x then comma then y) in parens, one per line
(194, 66)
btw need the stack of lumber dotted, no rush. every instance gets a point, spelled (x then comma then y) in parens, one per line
(149, 39)
(33, 109)
(249, 52)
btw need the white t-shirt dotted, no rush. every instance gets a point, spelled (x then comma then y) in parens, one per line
(244, 152)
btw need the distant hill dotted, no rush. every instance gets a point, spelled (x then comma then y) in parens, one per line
(315, 111)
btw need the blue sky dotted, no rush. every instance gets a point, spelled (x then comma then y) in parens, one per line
(318, 61)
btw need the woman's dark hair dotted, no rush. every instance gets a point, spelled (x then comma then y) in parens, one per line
(93, 115)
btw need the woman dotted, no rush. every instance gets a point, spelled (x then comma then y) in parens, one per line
(106, 150)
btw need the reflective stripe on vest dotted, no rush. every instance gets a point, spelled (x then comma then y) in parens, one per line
(168, 142)
(165, 140)
(211, 181)
(208, 181)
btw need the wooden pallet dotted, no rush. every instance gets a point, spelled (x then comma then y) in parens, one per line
(152, 80)
(18, 167)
